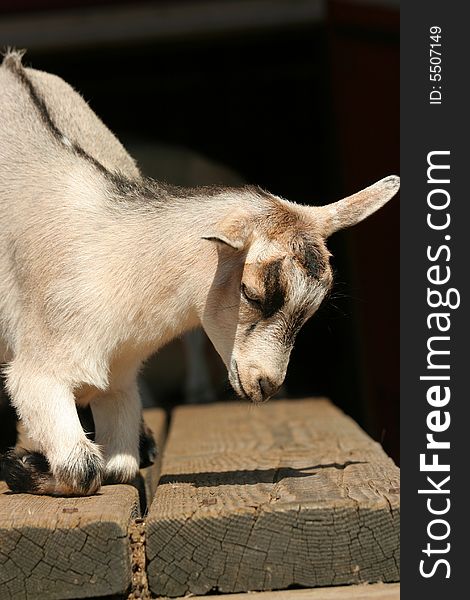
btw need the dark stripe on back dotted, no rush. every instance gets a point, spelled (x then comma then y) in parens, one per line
(15, 66)
(274, 289)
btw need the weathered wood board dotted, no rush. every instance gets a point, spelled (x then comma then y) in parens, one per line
(259, 498)
(65, 547)
(58, 548)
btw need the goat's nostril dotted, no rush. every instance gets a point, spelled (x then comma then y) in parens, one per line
(268, 387)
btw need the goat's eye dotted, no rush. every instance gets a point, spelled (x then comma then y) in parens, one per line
(250, 296)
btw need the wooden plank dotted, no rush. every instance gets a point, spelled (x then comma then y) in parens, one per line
(58, 548)
(260, 498)
(374, 591)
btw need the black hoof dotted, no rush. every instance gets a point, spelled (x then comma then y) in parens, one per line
(26, 472)
(147, 446)
(30, 473)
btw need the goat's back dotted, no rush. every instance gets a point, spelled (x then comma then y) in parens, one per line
(36, 105)
(53, 154)
(74, 118)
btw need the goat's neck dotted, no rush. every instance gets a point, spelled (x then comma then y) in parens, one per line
(167, 266)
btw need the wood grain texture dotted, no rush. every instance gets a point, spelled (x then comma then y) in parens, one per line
(58, 548)
(261, 498)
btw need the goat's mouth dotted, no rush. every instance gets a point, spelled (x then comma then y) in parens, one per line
(234, 377)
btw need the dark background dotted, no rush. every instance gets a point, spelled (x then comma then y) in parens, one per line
(301, 98)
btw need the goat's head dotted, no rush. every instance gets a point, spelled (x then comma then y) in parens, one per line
(272, 276)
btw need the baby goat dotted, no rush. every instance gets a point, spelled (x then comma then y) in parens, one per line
(100, 267)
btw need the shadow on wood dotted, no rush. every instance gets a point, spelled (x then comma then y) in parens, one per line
(253, 477)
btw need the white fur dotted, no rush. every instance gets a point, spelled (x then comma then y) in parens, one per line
(93, 282)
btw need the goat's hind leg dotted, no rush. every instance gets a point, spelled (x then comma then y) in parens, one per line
(118, 430)
(147, 443)
(61, 460)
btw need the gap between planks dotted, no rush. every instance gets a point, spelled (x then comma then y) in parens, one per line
(276, 441)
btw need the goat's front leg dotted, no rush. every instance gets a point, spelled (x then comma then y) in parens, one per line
(117, 416)
(61, 460)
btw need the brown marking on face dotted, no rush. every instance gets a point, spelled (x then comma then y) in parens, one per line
(288, 229)
(266, 286)
(274, 289)
(312, 256)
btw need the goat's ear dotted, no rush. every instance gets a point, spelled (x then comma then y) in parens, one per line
(222, 239)
(355, 208)
(233, 231)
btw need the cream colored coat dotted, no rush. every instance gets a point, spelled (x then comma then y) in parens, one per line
(100, 267)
